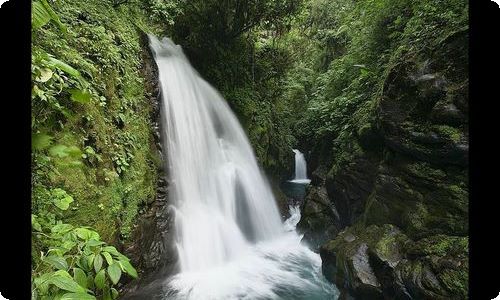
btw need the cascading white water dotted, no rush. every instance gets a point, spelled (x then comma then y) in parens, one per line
(229, 235)
(300, 168)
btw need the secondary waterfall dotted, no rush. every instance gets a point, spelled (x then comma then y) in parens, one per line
(300, 168)
(231, 241)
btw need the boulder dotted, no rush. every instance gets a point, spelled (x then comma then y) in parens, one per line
(320, 220)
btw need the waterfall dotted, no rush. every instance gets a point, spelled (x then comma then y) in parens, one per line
(300, 168)
(229, 235)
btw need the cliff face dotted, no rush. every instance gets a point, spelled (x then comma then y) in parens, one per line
(399, 192)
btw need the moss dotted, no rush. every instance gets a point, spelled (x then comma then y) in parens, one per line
(424, 170)
(456, 281)
(440, 245)
(415, 219)
(103, 43)
(449, 132)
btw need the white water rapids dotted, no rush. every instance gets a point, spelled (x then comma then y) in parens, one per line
(229, 235)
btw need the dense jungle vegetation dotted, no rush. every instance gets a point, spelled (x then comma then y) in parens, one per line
(319, 75)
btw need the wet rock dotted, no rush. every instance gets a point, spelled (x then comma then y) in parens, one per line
(151, 246)
(400, 186)
(320, 220)
(349, 188)
(381, 261)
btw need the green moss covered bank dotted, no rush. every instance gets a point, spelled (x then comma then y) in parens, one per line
(99, 147)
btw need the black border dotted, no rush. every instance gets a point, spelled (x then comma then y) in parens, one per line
(15, 88)
(484, 115)
(15, 91)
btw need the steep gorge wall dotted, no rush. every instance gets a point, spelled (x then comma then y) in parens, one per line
(398, 192)
(115, 178)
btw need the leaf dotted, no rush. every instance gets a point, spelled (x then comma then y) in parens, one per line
(67, 284)
(35, 224)
(63, 202)
(90, 260)
(45, 75)
(94, 242)
(90, 281)
(63, 273)
(64, 67)
(53, 15)
(80, 96)
(86, 234)
(114, 293)
(40, 141)
(57, 262)
(39, 15)
(61, 228)
(82, 263)
(80, 277)
(42, 282)
(98, 262)
(77, 296)
(107, 295)
(100, 279)
(128, 268)
(111, 250)
(108, 258)
(114, 273)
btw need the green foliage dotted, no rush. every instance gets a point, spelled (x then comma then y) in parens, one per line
(352, 44)
(166, 11)
(71, 263)
(90, 115)
(43, 14)
(234, 46)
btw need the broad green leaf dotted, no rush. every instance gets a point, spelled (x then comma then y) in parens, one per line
(61, 228)
(35, 224)
(61, 199)
(42, 282)
(68, 245)
(64, 67)
(128, 268)
(106, 295)
(114, 273)
(77, 296)
(39, 15)
(80, 96)
(100, 279)
(122, 257)
(80, 277)
(111, 250)
(93, 243)
(90, 281)
(98, 263)
(40, 141)
(114, 293)
(45, 75)
(58, 251)
(58, 295)
(82, 263)
(90, 259)
(108, 258)
(53, 15)
(62, 273)
(86, 234)
(57, 262)
(67, 284)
